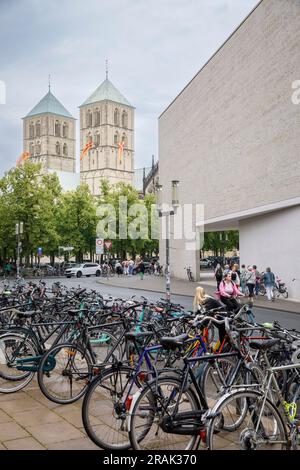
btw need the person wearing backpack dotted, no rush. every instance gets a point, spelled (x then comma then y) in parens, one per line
(218, 274)
(269, 282)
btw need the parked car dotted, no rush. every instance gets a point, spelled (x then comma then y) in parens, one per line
(84, 269)
(205, 263)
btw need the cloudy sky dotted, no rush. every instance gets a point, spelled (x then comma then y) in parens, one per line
(154, 48)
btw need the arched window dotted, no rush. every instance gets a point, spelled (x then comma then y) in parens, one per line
(38, 148)
(31, 130)
(116, 138)
(38, 129)
(124, 139)
(65, 150)
(57, 129)
(124, 119)
(65, 130)
(89, 118)
(57, 148)
(31, 149)
(97, 117)
(97, 139)
(116, 117)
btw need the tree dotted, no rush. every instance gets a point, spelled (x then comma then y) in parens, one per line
(28, 196)
(135, 215)
(77, 220)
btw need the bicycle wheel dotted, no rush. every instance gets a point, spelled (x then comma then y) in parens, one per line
(152, 412)
(215, 376)
(14, 347)
(64, 373)
(261, 428)
(105, 409)
(105, 346)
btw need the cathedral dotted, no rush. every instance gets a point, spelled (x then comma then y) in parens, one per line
(106, 138)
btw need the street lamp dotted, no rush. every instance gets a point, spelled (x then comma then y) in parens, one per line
(167, 214)
(19, 231)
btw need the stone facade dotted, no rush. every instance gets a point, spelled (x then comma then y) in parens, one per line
(107, 123)
(232, 135)
(50, 140)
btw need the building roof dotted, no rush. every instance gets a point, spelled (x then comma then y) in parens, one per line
(49, 104)
(106, 91)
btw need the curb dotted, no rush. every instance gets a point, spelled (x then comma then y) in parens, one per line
(188, 295)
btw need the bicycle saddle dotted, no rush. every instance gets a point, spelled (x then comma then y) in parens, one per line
(263, 344)
(173, 342)
(132, 335)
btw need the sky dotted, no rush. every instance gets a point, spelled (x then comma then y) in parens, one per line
(153, 47)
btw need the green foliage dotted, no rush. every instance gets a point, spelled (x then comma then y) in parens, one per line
(140, 219)
(220, 242)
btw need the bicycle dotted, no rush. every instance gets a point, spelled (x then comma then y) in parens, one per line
(189, 274)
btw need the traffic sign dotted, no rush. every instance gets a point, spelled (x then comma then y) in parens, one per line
(108, 244)
(40, 251)
(99, 246)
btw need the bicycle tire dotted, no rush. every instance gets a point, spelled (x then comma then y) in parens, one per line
(146, 407)
(57, 384)
(101, 415)
(270, 430)
(12, 379)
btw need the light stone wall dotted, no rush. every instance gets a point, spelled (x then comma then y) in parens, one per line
(103, 162)
(48, 156)
(232, 136)
(272, 241)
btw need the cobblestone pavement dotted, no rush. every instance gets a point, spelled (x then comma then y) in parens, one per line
(29, 421)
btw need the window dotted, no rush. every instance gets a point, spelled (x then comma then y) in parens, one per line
(31, 149)
(116, 117)
(97, 139)
(31, 131)
(97, 117)
(38, 129)
(124, 139)
(57, 148)
(38, 149)
(124, 119)
(116, 138)
(65, 130)
(57, 129)
(89, 118)
(65, 150)
(89, 138)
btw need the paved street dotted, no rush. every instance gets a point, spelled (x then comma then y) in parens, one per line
(29, 421)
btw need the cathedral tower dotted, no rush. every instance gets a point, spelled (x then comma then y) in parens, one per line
(49, 135)
(107, 123)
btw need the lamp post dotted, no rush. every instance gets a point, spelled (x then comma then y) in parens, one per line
(167, 214)
(19, 231)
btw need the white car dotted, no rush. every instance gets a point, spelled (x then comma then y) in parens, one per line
(84, 269)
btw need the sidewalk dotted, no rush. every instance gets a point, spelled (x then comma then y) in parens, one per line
(153, 283)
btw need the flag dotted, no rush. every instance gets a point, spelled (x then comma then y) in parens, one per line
(120, 149)
(88, 146)
(23, 157)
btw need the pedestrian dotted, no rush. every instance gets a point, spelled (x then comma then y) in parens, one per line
(130, 266)
(203, 302)
(141, 269)
(257, 280)
(218, 274)
(269, 282)
(226, 269)
(235, 275)
(118, 268)
(8, 268)
(243, 276)
(250, 282)
(229, 292)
